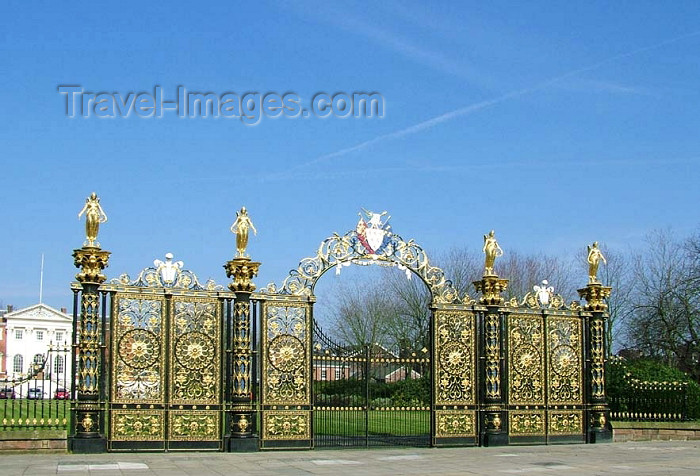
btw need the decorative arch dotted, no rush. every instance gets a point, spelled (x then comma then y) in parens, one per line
(339, 251)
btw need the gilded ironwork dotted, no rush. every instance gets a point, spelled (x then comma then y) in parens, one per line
(491, 288)
(286, 344)
(526, 423)
(595, 296)
(455, 423)
(242, 356)
(564, 350)
(242, 270)
(526, 359)
(189, 425)
(597, 349)
(492, 250)
(138, 425)
(493, 356)
(166, 274)
(92, 262)
(349, 249)
(138, 350)
(195, 355)
(454, 364)
(94, 216)
(90, 335)
(286, 425)
(565, 423)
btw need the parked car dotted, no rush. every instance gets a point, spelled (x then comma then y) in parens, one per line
(35, 394)
(61, 394)
(8, 392)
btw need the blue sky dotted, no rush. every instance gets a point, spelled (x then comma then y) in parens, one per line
(554, 123)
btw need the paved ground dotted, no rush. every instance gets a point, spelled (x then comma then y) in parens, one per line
(638, 458)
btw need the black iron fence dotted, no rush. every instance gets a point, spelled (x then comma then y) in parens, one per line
(40, 397)
(649, 401)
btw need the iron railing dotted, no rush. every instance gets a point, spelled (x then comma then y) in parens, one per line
(41, 397)
(650, 401)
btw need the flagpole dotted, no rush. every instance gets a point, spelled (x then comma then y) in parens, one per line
(41, 280)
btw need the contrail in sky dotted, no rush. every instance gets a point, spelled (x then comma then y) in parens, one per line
(466, 110)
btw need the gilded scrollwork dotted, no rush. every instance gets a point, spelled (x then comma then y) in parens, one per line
(343, 250)
(454, 366)
(564, 347)
(493, 356)
(194, 329)
(526, 360)
(565, 422)
(597, 358)
(455, 424)
(286, 353)
(176, 277)
(527, 423)
(193, 425)
(138, 353)
(137, 425)
(286, 425)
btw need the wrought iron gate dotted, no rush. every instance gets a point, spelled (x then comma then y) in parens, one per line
(166, 367)
(369, 397)
(545, 374)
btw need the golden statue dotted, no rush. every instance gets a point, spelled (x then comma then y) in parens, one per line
(492, 251)
(594, 257)
(94, 215)
(240, 228)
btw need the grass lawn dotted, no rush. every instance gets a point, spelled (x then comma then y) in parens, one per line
(380, 422)
(23, 413)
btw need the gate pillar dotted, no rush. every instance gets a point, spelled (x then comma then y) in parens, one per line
(239, 412)
(87, 432)
(598, 422)
(492, 409)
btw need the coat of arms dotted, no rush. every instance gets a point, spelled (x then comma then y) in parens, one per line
(372, 231)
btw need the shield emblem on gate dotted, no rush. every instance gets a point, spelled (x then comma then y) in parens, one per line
(375, 237)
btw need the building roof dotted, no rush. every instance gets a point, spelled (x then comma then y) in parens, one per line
(39, 312)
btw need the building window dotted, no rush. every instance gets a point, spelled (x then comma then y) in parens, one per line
(59, 365)
(337, 374)
(19, 334)
(39, 335)
(39, 360)
(324, 374)
(17, 364)
(59, 337)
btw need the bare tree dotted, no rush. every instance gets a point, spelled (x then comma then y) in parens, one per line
(666, 319)
(526, 271)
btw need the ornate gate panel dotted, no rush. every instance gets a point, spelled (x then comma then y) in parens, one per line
(166, 372)
(286, 377)
(454, 377)
(545, 375)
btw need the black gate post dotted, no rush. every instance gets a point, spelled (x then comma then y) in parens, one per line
(598, 426)
(492, 409)
(239, 415)
(87, 433)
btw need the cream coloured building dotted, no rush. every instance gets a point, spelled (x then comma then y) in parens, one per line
(30, 334)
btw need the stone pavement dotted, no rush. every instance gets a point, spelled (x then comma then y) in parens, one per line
(634, 458)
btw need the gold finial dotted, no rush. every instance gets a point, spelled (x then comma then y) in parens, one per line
(594, 258)
(492, 251)
(240, 227)
(94, 215)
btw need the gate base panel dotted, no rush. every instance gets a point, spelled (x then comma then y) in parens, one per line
(87, 445)
(494, 439)
(455, 441)
(241, 445)
(600, 436)
(287, 445)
